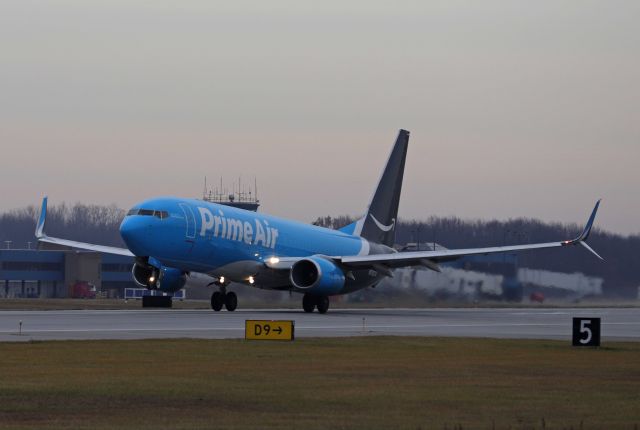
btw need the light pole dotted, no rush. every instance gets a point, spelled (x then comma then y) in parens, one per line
(434, 237)
(417, 231)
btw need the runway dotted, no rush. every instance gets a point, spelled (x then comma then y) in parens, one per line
(517, 323)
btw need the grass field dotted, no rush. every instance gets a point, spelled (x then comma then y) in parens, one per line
(368, 383)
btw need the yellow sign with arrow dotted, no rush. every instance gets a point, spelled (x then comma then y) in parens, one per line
(269, 330)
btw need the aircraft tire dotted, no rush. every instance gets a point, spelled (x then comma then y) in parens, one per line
(231, 301)
(323, 304)
(217, 301)
(308, 303)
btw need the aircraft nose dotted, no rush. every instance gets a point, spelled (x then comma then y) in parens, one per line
(127, 230)
(132, 232)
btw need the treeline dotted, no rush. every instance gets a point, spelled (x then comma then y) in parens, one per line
(88, 223)
(620, 269)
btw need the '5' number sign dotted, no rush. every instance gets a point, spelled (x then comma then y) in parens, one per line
(586, 332)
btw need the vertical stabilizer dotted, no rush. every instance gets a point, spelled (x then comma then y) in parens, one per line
(379, 222)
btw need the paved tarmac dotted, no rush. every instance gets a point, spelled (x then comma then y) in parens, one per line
(520, 323)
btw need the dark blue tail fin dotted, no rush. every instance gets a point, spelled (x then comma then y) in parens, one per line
(379, 222)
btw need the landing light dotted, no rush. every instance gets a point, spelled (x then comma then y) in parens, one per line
(251, 280)
(221, 280)
(152, 279)
(274, 260)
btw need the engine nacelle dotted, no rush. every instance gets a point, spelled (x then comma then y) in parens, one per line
(165, 279)
(317, 275)
(144, 275)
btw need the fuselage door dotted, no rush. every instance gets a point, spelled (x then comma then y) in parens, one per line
(191, 221)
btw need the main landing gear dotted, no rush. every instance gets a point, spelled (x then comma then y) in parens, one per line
(222, 298)
(310, 302)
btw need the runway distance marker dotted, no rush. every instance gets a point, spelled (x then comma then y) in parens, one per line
(586, 331)
(269, 330)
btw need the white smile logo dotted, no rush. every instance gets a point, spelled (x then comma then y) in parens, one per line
(381, 226)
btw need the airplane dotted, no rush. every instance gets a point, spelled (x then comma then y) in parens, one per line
(171, 238)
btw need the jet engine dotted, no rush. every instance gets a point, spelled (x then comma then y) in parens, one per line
(317, 275)
(165, 279)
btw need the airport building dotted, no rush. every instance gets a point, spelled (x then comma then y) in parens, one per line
(494, 276)
(63, 273)
(471, 277)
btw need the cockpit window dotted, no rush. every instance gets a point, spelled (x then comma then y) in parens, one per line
(149, 212)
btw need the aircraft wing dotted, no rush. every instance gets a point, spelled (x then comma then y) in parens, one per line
(430, 259)
(42, 237)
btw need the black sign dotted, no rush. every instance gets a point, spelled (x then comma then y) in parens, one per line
(586, 332)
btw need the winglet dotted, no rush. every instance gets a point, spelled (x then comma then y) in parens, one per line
(591, 249)
(43, 217)
(586, 232)
(587, 228)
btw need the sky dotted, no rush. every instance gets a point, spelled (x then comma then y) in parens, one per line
(516, 108)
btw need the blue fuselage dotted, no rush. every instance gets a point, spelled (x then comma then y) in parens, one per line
(199, 236)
